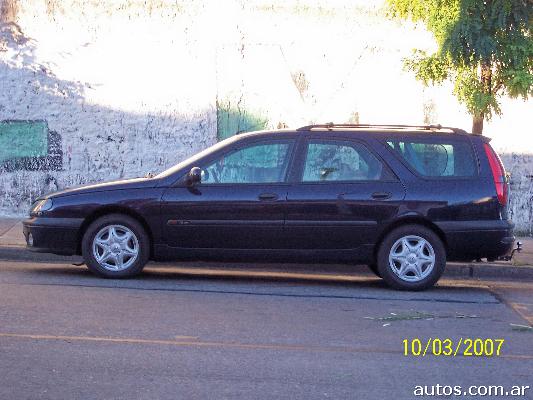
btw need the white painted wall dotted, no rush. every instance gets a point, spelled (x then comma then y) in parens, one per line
(132, 86)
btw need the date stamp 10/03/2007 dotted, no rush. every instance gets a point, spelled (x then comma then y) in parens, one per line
(462, 347)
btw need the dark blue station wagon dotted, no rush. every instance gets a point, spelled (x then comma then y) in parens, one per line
(402, 199)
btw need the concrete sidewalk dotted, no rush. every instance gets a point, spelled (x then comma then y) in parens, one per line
(11, 232)
(12, 246)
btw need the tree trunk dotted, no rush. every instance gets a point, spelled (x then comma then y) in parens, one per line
(477, 124)
(8, 10)
(486, 81)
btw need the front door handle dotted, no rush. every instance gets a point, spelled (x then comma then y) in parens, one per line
(268, 196)
(381, 195)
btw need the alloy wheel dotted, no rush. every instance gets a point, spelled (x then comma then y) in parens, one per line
(412, 258)
(115, 247)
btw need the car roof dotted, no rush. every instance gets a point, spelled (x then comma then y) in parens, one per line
(367, 128)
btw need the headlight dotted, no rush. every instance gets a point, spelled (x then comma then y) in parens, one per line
(40, 206)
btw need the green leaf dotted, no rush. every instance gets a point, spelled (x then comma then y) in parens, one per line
(485, 48)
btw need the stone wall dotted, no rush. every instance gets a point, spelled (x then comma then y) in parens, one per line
(520, 166)
(124, 88)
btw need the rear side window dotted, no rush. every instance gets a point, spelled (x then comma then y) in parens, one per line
(342, 161)
(437, 159)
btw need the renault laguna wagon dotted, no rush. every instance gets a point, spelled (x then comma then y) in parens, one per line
(402, 199)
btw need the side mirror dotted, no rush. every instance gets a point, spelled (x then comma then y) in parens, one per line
(194, 176)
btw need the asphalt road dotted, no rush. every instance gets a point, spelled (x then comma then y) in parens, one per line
(243, 332)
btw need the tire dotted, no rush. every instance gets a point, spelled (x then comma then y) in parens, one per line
(115, 246)
(411, 257)
(374, 268)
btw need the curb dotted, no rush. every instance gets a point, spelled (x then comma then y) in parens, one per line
(452, 271)
(21, 253)
(488, 271)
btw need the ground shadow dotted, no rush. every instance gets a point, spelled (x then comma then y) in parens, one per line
(258, 280)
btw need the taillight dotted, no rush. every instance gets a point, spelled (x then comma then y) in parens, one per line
(498, 172)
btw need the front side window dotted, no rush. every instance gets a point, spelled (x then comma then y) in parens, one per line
(342, 161)
(437, 159)
(258, 163)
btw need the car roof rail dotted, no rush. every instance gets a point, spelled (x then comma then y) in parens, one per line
(331, 125)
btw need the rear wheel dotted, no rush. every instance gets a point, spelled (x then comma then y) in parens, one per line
(115, 246)
(411, 257)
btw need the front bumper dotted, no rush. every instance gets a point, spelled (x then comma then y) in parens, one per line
(52, 235)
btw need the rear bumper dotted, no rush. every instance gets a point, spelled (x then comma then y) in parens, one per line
(52, 235)
(468, 240)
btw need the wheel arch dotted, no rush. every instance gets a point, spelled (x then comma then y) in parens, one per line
(113, 209)
(410, 220)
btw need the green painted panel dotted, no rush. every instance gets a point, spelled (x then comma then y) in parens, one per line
(19, 139)
(231, 121)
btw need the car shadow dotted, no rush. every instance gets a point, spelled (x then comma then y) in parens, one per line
(168, 273)
(261, 274)
(212, 276)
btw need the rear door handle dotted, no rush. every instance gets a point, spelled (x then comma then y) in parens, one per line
(381, 195)
(268, 196)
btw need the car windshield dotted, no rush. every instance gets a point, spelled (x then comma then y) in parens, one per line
(195, 157)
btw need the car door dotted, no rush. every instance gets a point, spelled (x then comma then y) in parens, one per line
(342, 193)
(239, 203)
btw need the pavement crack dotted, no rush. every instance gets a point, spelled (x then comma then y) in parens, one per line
(269, 294)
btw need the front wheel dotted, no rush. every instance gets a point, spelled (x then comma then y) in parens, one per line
(115, 246)
(411, 257)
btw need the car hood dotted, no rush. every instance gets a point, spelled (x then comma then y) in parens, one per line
(135, 183)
